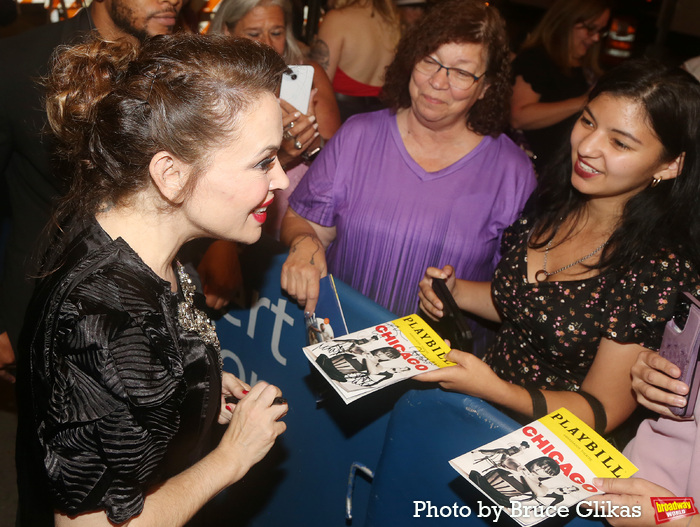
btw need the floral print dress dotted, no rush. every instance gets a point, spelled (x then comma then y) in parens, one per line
(551, 331)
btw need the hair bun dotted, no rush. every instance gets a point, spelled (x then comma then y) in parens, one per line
(98, 64)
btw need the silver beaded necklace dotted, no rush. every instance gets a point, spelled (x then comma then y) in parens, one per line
(543, 274)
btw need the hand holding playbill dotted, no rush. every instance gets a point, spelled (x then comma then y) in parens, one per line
(541, 469)
(365, 361)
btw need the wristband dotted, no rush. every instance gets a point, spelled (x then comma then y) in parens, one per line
(539, 402)
(600, 418)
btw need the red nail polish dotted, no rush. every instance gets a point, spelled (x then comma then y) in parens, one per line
(245, 392)
(229, 408)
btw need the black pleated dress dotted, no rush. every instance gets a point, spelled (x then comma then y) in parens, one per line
(114, 396)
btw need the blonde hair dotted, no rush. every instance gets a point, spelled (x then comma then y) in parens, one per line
(231, 12)
(554, 32)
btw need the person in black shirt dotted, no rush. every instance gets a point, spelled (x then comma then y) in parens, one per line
(553, 73)
(27, 165)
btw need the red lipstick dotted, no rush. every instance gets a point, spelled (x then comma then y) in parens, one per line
(260, 217)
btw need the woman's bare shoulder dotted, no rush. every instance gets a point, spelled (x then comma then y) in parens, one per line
(353, 15)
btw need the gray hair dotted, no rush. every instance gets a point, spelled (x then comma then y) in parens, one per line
(230, 12)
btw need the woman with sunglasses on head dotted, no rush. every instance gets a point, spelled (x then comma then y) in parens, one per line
(120, 378)
(554, 71)
(432, 179)
(590, 277)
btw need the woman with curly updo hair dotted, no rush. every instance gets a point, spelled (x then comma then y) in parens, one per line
(430, 179)
(120, 378)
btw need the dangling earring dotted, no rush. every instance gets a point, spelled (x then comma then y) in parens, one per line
(655, 181)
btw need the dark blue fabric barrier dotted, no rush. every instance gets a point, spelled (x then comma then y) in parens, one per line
(303, 480)
(428, 428)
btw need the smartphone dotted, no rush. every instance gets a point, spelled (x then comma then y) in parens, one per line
(453, 325)
(296, 86)
(680, 344)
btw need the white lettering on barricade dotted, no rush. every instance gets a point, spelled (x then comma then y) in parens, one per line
(253, 317)
(281, 317)
(232, 320)
(249, 341)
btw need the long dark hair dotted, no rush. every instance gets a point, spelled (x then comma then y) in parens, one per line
(458, 21)
(662, 215)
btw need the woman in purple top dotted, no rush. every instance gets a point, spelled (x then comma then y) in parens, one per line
(431, 180)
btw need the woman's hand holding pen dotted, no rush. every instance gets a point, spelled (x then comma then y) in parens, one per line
(254, 426)
(233, 390)
(231, 386)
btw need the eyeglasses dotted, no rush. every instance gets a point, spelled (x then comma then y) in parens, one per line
(592, 31)
(460, 79)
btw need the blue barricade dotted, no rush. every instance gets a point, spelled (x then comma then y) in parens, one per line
(303, 480)
(414, 483)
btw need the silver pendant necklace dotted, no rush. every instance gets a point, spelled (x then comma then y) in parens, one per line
(543, 274)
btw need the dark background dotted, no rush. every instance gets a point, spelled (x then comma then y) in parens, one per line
(666, 29)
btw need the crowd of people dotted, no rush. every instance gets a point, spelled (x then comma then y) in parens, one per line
(139, 139)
